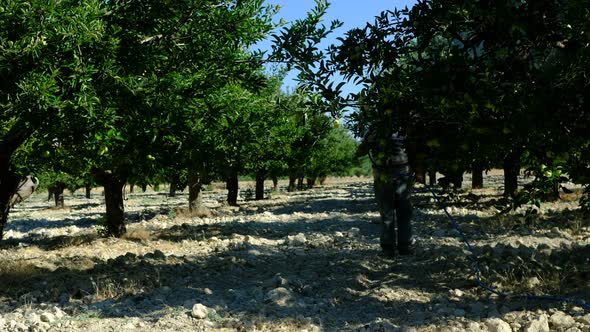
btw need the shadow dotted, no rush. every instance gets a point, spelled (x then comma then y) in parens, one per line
(85, 206)
(268, 230)
(85, 220)
(343, 277)
(34, 235)
(245, 282)
(49, 243)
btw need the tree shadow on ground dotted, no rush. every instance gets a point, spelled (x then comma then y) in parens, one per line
(84, 220)
(338, 277)
(333, 280)
(269, 230)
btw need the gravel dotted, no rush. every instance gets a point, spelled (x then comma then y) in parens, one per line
(298, 261)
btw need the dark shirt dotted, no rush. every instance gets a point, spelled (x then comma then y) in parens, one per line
(390, 152)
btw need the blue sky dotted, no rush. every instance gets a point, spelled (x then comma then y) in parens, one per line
(352, 13)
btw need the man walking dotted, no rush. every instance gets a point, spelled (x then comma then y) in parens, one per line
(393, 184)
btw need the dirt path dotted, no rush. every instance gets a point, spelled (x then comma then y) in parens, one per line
(297, 261)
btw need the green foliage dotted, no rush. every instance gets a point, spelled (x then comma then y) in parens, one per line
(334, 154)
(476, 83)
(136, 88)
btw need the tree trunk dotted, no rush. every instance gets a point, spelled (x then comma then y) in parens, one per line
(9, 185)
(300, 183)
(195, 184)
(50, 192)
(115, 218)
(88, 189)
(131, 187)
(432, 178)
(511, 167)
(457, 179)
(232, 186)
(260, 176)
(58, 194)
(113, 194)
(174, 180)
(143, 187)
(292, 179)
(311, 182)
(275, 184)
(476, 176)
(9, 142)
(420, 175)
(322, 180)
(5, 206)
(553, 194)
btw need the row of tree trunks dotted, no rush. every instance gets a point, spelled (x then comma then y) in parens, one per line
(476, 179)
(57, 193)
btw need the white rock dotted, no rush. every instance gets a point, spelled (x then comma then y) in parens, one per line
(354, 231)
(278, 280)
(573, 329)
(533, 282)
(560, 320)
(19, 327)
(473, 327)
(540, 324)
(58, 313)
(298, 239)
(409, 329)
(280, 296)
(33, 317)
(41, 326)
(584, 319)
(515, 326)
(200, 311)
(47, 317)
(497, 325)
(129, 326)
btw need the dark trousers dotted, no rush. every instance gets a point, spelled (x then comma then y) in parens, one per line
(393, 188)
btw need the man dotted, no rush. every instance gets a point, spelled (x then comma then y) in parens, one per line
(393, 184)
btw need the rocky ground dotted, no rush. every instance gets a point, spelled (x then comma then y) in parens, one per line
(304, 261)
